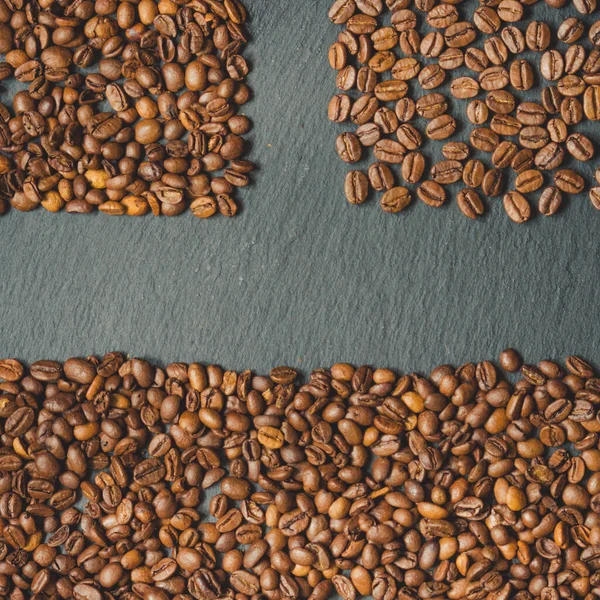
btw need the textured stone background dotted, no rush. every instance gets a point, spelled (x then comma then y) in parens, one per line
(301, 277)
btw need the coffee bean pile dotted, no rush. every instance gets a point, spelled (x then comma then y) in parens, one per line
(381, 66)
(357, 482)
(125, 107)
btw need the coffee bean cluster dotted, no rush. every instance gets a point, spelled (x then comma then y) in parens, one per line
(126, 106)
(120, 479)
(381, 66)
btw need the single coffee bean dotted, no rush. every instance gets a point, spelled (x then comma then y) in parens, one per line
(552, 65)
(470, 203)
(455, 151)
(381, 177)
(356, 187)
(521, 74)
(569, 181)
(413, 167)
(389, 151)
(504, 154)
(493, 182)
(368, 134)
(484, 139)
(441, 128)
(446, 171)
(522, 160)
(473, 173)
(580, 147)
(537, 36)
(477, 112)
(549, 157)
(431, 105)
(464, 87)
(570, 30)
(595, 197)
(432, 193)
(510, 360)
(395, 199)
(339, 108)
(348, 147)
(529, 181)
(550, 201)
(517, 208)
(591, 102)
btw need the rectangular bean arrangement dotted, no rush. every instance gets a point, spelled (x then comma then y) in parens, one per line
(409, 72)
(129, 107)
(121, 479)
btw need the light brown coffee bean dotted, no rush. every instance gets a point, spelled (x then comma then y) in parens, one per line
(517, 207)
(529, 181)
(470, 204)
(477, 112)
(473, 173)
(464, 87)
(413, 167)
(395, 199)
(595, 197)
(446, 172)
(455, 151)
(432, 193)
(484, 139)
(580, 147)
(441, 128)
(348, 147)
(381, 177)
(493, 183)
(569, 181)
(356, 187)
(504, 154)
(550, 201)
(431, 105)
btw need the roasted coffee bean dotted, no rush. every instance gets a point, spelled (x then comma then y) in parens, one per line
(432, 193)
(413, 167)
(381, 177)
(580, 147)
(356, 187)
(529, 181)
(441, 128)
(477, 112)
(521, 74)
(517, 207)
(493, 182)
(446, 172)
(348, 147)
(550, 201)
(537, 36)
(484, 139)
(431, 105)
(395, 199)
(569, 181)
(464, 87)
(473, 173)
(456, 151)
(504, 154)
(470, 203)
(595, 197)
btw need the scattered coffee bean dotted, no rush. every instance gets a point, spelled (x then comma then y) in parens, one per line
(379, 68)
(174, 80)
(122, 479)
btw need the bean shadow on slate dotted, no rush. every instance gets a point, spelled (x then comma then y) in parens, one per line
(300, 277)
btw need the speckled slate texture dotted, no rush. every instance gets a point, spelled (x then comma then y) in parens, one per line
(301, 277)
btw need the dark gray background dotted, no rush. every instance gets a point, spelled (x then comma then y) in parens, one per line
(301, 277)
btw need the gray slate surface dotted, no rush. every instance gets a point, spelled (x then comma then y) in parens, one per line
(301, 277)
